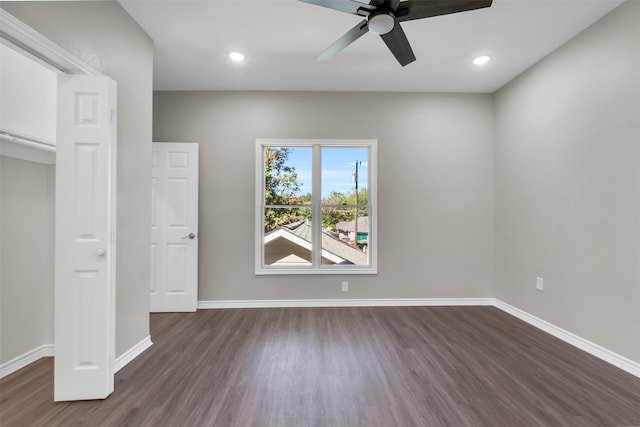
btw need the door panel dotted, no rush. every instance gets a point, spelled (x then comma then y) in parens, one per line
(177, 203)
(177, 264)
(174, 230)
(85, 251)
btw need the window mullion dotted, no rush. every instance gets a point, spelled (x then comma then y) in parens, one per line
(316, 201)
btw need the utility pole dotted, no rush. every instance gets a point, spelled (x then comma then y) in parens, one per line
(355, 227)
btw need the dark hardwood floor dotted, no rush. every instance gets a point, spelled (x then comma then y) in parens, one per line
(395, 366)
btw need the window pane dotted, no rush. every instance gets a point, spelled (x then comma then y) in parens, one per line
(287, 179)
(287, 237)
(343, 171)
(343, 240)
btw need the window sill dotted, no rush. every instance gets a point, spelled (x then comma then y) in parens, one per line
(347, 271)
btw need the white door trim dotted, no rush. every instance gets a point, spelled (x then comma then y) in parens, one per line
(24, 39)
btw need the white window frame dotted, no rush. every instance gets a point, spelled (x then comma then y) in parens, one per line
(316, 146)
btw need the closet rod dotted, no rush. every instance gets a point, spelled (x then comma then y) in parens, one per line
(26, 141)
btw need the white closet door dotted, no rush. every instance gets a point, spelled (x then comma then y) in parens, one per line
(85, 234)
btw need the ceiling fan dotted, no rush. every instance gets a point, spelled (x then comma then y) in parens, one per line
(383, 17)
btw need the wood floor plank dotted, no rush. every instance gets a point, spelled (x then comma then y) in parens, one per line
(384, 366)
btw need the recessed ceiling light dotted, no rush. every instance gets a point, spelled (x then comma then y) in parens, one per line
(236, 56)
(481, 60)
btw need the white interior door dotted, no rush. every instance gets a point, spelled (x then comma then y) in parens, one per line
(174, 227)
(85, 234)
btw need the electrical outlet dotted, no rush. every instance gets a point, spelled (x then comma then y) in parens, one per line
(345, 286)
(539, 283)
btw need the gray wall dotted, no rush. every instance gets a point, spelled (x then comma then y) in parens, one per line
(26, 256)
(567, 154)
(106, 37)
(435, 187)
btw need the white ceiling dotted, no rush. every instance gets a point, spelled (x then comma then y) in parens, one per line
(282, 38)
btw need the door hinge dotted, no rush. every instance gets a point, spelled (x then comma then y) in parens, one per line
(112, 237)
(113, 116)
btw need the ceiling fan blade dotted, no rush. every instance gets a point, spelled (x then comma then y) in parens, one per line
(418, 9)
(352, 35)
(396, 41)
(349, 6)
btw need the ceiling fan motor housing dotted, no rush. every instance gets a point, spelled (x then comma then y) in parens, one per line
(381, 23)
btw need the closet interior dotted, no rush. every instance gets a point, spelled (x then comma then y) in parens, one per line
(27, 201)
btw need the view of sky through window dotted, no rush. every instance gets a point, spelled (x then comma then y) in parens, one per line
(338, 166)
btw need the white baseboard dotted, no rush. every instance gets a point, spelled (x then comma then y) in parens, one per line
(368, 302)
(594, 349)
(49, 349)
(132, 353)
(25, 359)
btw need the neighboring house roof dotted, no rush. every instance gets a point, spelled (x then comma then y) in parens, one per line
(293, 259)
(348, 226)
(333, 248)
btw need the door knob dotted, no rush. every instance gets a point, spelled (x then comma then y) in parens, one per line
(100, 252)
(190, 236)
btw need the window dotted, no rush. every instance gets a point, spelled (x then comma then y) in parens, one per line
(316, 207)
